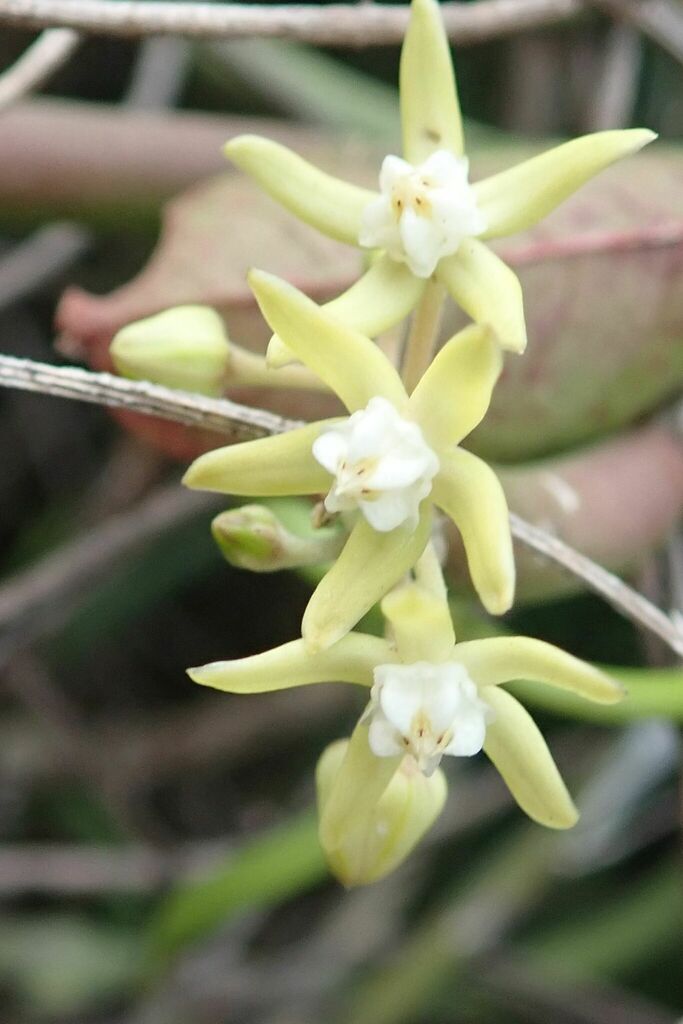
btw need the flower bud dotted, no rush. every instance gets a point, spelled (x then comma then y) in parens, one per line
(253, 537)
(185, 347)
(373, 841)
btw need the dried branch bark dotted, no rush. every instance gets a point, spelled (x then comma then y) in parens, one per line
(43, 57)
(338, 24)
(239, 423)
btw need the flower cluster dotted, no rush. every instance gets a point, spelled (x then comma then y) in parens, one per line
(384, 473)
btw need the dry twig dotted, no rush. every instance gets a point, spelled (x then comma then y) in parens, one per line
(241, 423)
(43, 57)
(360, 25)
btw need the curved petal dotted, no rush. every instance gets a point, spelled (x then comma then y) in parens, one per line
(488, 290)
(348, 362)
(352, 660)
(430, 112)
(503, 659)
(382, 297)
(469, 492)
(519, 197)
(270, 466)
(348, 799)
(519, 752)
(421, 624)
(369, 565)
(332, 206)
(455, 392)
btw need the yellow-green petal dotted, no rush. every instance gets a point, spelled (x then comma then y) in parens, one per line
(497, 660)
(352, 660)
(421, 624)
(268, 467)
(517, 749)
(521, 196)
(469, 492)
(185, 347)
(368, 567)
(332, 206)
(382, 297)
(455, 392)
(345, 360)
(430, 112)
(487, 289)
(378, 833)
(349, 797)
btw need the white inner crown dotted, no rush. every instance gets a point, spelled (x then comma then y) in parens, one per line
(423, 212)
(381, 463)
(427, 711)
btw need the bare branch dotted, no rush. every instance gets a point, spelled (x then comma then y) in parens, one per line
(42, 58)
(661, 20)
(240, 423)
(627, 601)
(237, 422)
(366, 24)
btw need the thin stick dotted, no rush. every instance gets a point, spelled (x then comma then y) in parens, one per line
(624, 599)
(43, 57)
(242, 423)
(238, 422)
(660, 20)
(337, 24)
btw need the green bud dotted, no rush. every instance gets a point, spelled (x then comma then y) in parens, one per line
(185, 347)
(373, 841)
(253, 537)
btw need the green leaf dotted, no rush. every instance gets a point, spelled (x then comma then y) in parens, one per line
(271, 868)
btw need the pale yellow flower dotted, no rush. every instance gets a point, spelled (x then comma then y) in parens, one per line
(426, 219)
(430, 697)
(392, 460)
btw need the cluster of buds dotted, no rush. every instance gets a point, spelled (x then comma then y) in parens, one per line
(384, 472)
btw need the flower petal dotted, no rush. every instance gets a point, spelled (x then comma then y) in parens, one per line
(487, 289)
(347, 361)
(352, 660)
(421, 624)
(430, 112)
(519, 752)
(519, 197)
(350, 796)
(385, 295)
(499, 660)
(455, 392)
(381, 298)
(369, 565)
(469, 492)
(332, 206)
(270, 466)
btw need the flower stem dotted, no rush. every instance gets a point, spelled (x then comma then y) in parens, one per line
(424, 331)
(429, 574)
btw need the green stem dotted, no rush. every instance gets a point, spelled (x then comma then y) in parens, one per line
(429, 574)
(424, 331)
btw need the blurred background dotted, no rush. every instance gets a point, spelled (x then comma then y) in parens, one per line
(158, 854)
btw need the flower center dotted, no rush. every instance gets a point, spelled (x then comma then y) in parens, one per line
(426, 710)
(381, 465)
(422, 213)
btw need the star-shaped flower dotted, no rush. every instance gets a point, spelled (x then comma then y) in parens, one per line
(386, 464)
(427, 219)
(430, 697)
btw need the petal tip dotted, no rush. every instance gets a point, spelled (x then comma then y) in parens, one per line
(567, 818)
(234, 147)
(500, 601)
